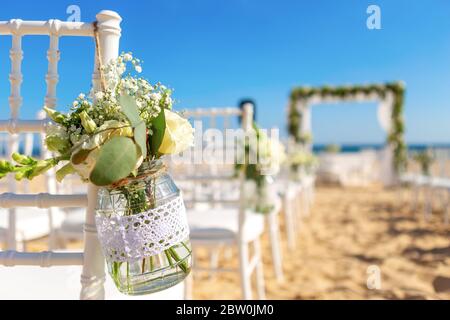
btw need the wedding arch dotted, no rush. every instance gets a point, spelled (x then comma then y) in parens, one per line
(390, 99)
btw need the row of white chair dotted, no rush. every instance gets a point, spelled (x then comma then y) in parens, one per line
(430, 186)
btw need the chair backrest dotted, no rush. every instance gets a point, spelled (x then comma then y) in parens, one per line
(108, 29)
(210, 177)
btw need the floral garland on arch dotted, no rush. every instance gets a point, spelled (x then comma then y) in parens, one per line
(395, 136)
(115, 138)
(424, 159)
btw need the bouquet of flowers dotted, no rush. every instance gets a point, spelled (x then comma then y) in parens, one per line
(107, 135)
(262, 160)
(114, 138)
(302, 162)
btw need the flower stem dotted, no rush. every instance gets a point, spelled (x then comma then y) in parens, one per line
(176, 257)
(169, 258)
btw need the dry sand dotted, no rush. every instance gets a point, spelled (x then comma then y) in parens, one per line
(348, 231)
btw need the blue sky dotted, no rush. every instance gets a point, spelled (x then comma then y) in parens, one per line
(213, 53)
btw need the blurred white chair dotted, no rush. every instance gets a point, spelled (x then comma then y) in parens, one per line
(289, 193)
(71, 227)
(217, 223)
(216, 210)
(20, 224)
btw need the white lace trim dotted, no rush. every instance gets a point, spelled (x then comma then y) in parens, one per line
(129, 238)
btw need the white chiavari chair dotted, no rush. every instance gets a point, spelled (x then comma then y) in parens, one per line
(219, 219)
(26, 280)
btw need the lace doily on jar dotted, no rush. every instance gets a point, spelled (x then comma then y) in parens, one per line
(133, 237)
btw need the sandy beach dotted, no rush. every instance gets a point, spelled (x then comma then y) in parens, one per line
(350, 234)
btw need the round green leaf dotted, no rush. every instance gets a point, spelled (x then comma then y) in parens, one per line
(116, 159)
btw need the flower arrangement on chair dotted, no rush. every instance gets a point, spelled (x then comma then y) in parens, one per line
(301, 163)
(115, 138)
(262, 159)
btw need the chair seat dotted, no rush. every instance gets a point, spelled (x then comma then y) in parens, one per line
(31, 223)
(440, 183)
(221, 225)
(72, 225)
(63, 283)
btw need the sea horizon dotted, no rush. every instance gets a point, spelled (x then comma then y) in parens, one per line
(317, 147)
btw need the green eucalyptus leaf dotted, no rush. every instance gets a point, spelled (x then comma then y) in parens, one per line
(116, 160)
(140, 136)
(80, 156)
(131, 110)
(158, 128)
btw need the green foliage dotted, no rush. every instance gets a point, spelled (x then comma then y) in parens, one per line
(116, 160)
(425, 159)
(332, 148)
(26, 167)
(55, 115)
(64, 171)
(159, 128)
(5, 168)
(131, 110)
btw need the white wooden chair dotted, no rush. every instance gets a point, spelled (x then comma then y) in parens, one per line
(291, 195)
(90, 261)
(221, 220)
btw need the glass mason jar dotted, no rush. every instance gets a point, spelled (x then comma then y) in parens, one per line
(266, 195)
(150, 189)
(260, 194)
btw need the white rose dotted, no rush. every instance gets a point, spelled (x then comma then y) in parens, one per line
(179, 134)
(81, 96)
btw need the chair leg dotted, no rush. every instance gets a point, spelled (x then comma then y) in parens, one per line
(245, 273)
(213, 262)
(260, 288)
(415, 198)
(228, 254)
(272, 220)
(290, 231)
(428, 203)
(305, 203)
(52, 240)
(446, 217)
(299, 207)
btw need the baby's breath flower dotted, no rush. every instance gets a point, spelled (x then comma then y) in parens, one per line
(99, 95)
(127, 56)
